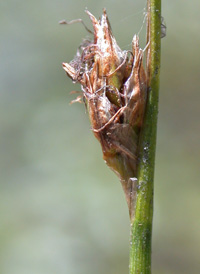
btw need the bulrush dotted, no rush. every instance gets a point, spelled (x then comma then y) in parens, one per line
(114, 91)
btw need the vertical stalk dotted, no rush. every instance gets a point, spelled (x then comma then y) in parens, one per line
(141, 223)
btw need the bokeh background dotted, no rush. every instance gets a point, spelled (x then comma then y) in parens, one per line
(62, 210)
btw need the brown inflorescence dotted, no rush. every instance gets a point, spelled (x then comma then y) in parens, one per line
(114, 90)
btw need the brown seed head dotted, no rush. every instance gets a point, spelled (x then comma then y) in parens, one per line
(114, 87)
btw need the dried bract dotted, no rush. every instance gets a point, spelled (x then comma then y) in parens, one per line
(114, 89)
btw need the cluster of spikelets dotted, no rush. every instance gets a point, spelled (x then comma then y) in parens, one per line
(114, 91)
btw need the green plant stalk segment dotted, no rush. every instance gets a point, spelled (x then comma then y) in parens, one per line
(141, 224)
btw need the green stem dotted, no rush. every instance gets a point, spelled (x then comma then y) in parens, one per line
(141, 223)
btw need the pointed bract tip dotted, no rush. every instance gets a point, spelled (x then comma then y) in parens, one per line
(92, 17)
(69, 70)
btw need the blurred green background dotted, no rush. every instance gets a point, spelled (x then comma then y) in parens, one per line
(62, 210)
